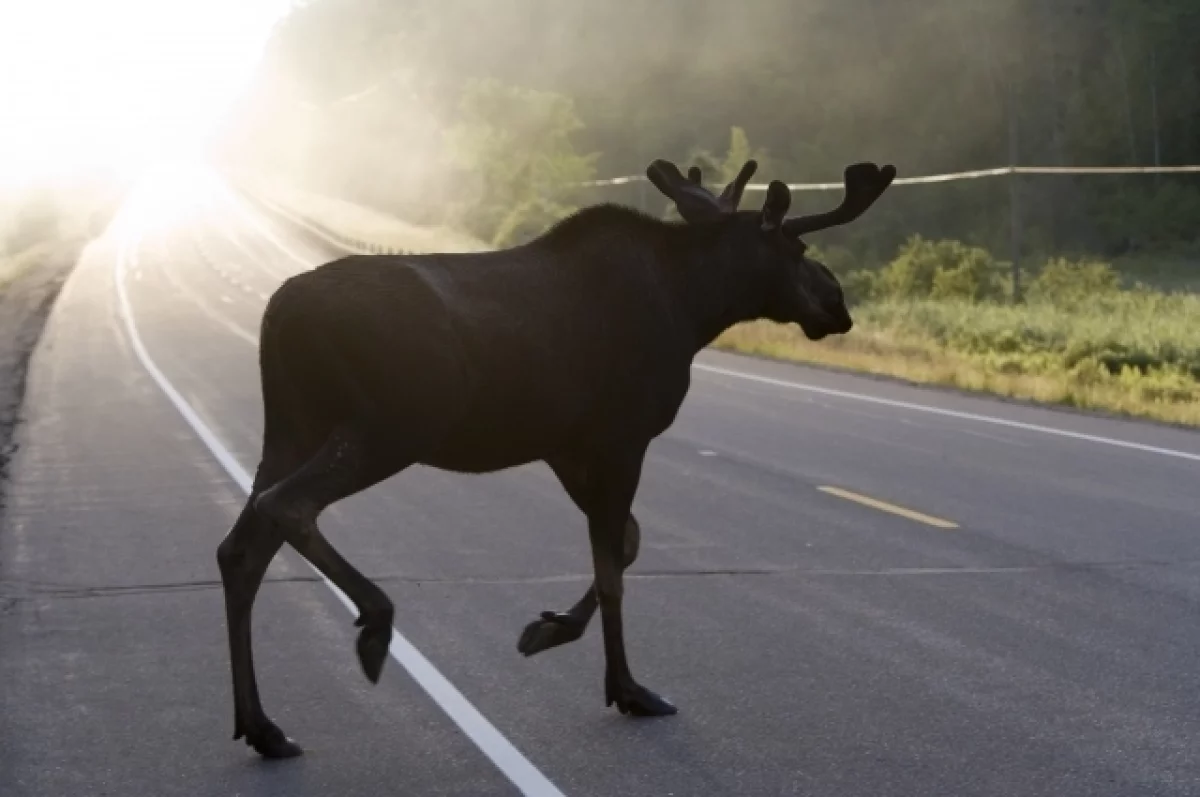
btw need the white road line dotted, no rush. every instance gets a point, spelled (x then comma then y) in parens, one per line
(276, 276)
(523, 774)
(248, 215)
(966, 416)
(203, 306)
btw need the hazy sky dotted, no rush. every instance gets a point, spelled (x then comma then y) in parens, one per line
(119, 83)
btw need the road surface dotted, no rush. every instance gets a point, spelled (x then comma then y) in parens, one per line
(849, 587)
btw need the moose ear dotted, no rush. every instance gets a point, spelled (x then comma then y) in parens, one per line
(775, 208)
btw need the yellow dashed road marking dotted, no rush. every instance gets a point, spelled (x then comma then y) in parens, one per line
(884, 506)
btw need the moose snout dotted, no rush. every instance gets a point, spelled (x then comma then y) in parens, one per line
(840, 320)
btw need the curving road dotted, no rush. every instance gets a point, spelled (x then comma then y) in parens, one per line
(849, 587)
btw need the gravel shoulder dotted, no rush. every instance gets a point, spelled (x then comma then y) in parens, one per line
(29, 284)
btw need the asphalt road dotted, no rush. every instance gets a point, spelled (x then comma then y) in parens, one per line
(848, 586)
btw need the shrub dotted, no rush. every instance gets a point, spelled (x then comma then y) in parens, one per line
(1064, 282)
(515, 150)
(859, 286)
(939, 269)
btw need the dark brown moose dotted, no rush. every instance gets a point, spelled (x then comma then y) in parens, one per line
(574, 349)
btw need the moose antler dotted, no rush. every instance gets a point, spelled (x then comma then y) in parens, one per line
(865, 183)
(694, 201)
(731, 197)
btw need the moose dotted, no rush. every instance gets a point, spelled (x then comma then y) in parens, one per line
(574, 349)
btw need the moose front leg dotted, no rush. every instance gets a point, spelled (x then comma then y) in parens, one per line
(552, 629)
(612, 492)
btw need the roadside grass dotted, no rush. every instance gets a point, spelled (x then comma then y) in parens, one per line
(17, 265)
(1127, 354)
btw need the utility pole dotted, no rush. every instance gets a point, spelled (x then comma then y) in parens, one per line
(1014, 195)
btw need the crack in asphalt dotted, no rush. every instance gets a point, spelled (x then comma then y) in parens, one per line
(15, 591)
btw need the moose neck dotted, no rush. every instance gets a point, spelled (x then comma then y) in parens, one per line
(716, 288)
(710, 286)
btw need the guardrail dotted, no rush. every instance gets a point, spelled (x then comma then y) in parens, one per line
(346, 243)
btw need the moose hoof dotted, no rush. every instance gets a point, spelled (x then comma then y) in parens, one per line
(638, 701)
(372, 646)
(550, 631)
(270, 742)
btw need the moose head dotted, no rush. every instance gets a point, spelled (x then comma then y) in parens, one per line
(798, 288)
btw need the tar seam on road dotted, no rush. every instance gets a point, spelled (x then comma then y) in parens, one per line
(518, 769)
(884, 506)
(966, 416)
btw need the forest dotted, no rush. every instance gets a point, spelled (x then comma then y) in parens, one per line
(489, 117)
(466, 105)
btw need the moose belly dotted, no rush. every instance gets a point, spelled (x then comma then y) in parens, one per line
(502, 434)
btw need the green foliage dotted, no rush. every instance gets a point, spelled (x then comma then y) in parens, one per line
(1149, 215)
(1078, 327)
(1142, 331)
(513, 148)
(940, 270)
(719, 171)
(1094, 82)
(859, 285)
(1066, 282)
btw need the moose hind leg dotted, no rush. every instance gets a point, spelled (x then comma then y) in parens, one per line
(345, 465)
(552, 628)
(243, 557)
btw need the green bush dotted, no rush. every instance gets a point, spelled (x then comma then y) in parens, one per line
(1144, 332)
(1065, 282)
(858, 286)
(939, 269)
(514, 147)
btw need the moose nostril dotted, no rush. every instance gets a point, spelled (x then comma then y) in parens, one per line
(841, 315)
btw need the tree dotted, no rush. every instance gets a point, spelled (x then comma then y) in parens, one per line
(820, 84)
(517, 168)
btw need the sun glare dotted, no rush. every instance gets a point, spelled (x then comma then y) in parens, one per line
(120, 85)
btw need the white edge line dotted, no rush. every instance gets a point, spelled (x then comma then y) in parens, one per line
(304, 224)
(242, 210)
(966, 416)
(523, 774)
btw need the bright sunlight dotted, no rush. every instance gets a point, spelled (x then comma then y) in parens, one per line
(120, 85)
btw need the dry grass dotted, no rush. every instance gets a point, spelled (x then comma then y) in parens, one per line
(14, 266)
